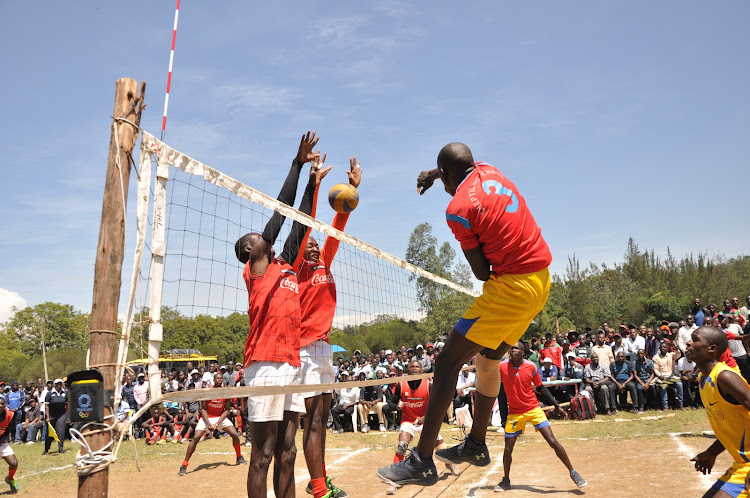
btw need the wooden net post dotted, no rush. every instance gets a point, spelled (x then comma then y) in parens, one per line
(109, 255)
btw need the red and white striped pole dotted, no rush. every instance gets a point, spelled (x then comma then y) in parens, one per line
(169, 76)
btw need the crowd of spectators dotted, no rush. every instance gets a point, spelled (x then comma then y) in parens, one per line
(634, 367)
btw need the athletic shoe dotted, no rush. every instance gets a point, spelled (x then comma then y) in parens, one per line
(410, 470)
(45, 452)
(241, 460)
(13, 485)
(161, 441)
(469, 451)
(382, 428)
(183, 470)
(577, 479)
(333, 490)
(248, 443)
(29, 442)
(452, 468)
(366, 429)
(176, 441)
(503, 485)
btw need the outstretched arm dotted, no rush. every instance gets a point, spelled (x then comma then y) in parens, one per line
(331, 245)
(426, 179)
(293, 247)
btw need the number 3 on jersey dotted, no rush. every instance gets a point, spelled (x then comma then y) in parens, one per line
(500, 190)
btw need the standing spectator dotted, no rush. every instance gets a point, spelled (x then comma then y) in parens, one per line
(598, 381)
(195, 379)
(644, 377)
(622, 376)
(14, 401)
(551, 350)
(652, 342)
(55, 413)
(736, 338)
(347, 399)
(207, 376)
(745, 310)
(735, 307)
(466, 380)
(425, 360)
(713, 313)
(684, 333)
(228, 374)
(665, 370)
(634, 342)
(698, 313)
(141, 395)
(603, 351)
(689, 377)
(618, 345)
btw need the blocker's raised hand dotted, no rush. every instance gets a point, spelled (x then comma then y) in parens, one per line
(306, 145)
(355, 173)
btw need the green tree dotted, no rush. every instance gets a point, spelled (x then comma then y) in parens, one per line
(61, 325)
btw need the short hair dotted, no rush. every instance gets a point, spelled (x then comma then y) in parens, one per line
(455, 156)
(239, 246)
(714, 336)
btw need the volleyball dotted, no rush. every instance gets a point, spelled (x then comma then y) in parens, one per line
(343, 198)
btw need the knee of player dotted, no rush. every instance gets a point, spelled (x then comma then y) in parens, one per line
(289, 456)
(402, 447)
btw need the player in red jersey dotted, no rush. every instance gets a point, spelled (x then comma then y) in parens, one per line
(213, 416)
(158, 426)
(519, 378)
(6, 452)
(317, 307)
(272, 354)
(413, 396)
(505, 249)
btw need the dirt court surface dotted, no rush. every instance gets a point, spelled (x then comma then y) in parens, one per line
(618, 456)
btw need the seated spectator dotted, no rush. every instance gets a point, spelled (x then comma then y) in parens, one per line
(549, 371)
(644, 378)
(466, 380)
(666, 376)
(390, 408)
(622, 376)
(347, 399)
(183, 430)
(689, 378)
(572, 369)
(598, 382)
(370, 399)
(158, 426)
(32, 422)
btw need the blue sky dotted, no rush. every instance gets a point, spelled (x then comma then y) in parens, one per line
(613, 119)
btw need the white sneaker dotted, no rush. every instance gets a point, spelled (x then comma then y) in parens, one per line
(366, 428)
(382, 428)
(29, 442)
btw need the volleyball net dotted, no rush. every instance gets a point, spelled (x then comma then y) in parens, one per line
(186, 274)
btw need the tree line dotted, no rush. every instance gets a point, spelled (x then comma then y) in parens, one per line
(643, 289)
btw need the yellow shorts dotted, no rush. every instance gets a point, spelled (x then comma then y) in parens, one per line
(516, 424)
(505, 309)
(733, 480)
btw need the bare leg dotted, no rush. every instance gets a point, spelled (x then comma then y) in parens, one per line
(314, 436)
(555, 444)
(192, 445)
(456, 352)
(285, 453)
(264, 435)
(483, 404)
(510, 443)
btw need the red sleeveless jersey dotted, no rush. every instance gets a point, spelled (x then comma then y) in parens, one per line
(215, 407)
(318, 290)
(5, 423)
(274, 315)
(414, 401)
(487, 210)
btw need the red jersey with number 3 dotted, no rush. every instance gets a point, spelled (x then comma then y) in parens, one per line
(215, 407)
(414, 400)
(487, 210)
(519, 385)
(274, 314)
(318, 290)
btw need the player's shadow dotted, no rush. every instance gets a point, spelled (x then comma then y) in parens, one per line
(526, 487)
(211, 466)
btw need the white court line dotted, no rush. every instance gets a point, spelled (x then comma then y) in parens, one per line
(44, 471)
(305, 476)
(688, 452)
(475, 487)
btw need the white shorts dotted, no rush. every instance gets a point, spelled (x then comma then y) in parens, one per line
(211, 421)
(271, 408)
(412, 429)
(317, 366)
(6, 450)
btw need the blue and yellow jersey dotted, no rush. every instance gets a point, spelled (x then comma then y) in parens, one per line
(730, 422)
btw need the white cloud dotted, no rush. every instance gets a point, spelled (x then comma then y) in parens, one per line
(9, 299)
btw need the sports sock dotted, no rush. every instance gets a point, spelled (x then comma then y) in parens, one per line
(319, 487)
(397, 457)
(324, 470)
(184, 463)
(237, 450)
(177, 437)
(11, 473)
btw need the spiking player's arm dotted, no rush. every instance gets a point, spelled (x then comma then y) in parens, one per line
(426, 179)
(293, 247)
(331, 245)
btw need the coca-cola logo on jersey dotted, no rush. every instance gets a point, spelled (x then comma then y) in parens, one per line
(319, 279)
(289, 284)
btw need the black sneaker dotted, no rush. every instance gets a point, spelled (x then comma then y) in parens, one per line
(469, 451)
(412, 470)
(577, 479)
(183, 470)
(503, 485)
(241, 460)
